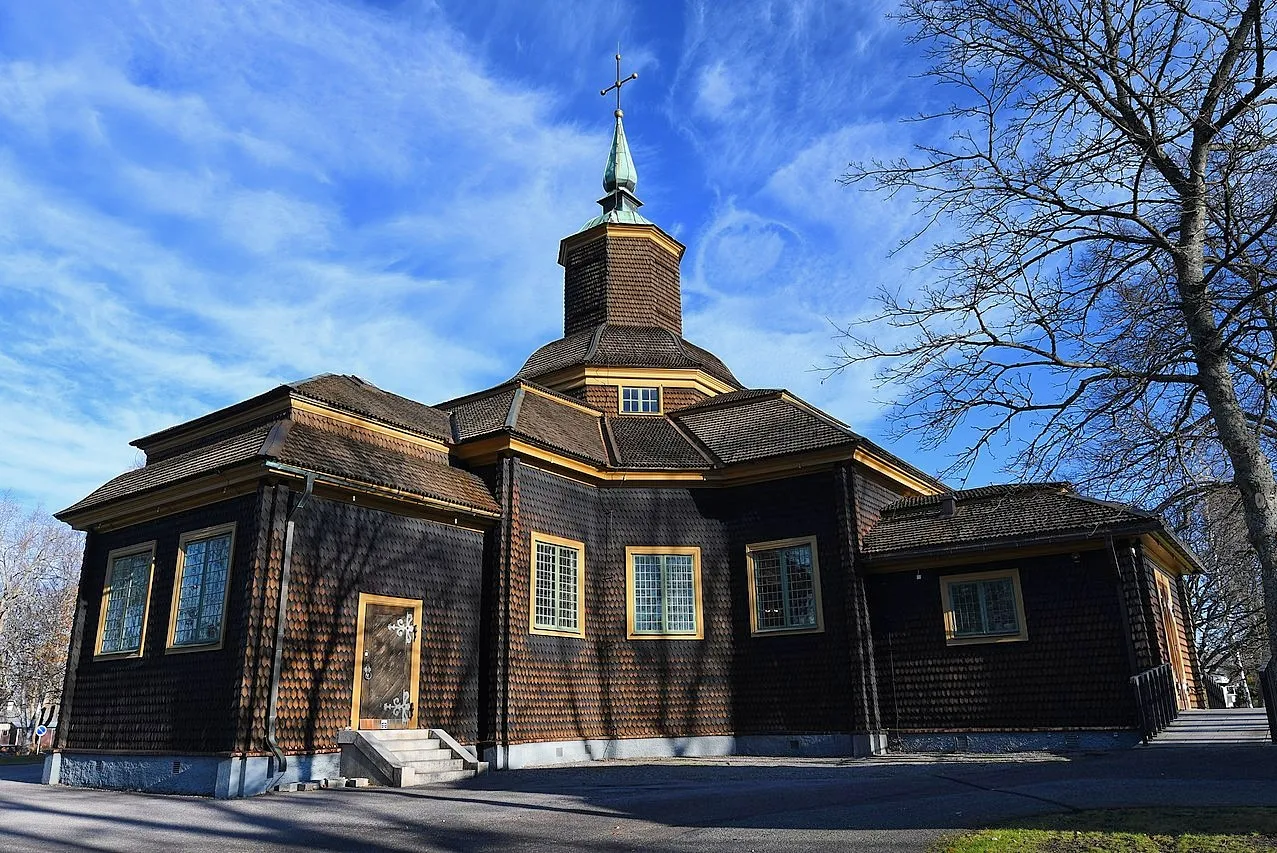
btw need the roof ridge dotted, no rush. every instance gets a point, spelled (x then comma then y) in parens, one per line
(594, 340)
(477, 395)
(717, 401)
(560, 396)
(699, 446)
(818, 412)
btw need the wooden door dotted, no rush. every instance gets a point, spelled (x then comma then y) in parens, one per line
(1170, 626)
(387, 663)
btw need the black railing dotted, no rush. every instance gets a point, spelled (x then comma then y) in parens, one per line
(1268, 687)
(1155, 698)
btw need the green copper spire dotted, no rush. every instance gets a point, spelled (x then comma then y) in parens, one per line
(620, 177)
(620, 171)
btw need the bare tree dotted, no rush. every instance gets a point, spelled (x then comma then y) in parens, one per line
(1226, 603)
(39, 571)
(1109, 301)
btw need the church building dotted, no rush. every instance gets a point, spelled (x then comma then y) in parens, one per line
(622, 551)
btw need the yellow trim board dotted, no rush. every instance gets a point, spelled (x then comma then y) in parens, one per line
(892, 471)
(950, 622)
(616, 229)
(183, 540)
(147, 547)
(571, 378)
(579, 547)
(664, 550)
(414, 675)
(341, 416)
(775, 544)
(579, 405)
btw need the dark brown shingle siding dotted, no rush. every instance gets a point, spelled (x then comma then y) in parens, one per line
(1072, 672)
(605, 686)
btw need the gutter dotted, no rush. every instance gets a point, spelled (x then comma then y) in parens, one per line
(280, 624)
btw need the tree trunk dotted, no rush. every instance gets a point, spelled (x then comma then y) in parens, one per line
(1252, 470)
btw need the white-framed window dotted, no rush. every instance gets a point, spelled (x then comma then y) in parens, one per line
(558, 579)
(640, 400)
(784, 587)
(663, 592)
(983, 607)
(125, 596)
(201, 587)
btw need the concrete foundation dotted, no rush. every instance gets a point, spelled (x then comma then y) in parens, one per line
(548, 753)
(200, 775)
(1005, 742)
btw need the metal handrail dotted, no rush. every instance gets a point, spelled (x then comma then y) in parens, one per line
(1268, 686)
(1155, 699)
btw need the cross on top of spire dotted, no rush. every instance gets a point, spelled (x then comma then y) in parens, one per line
(618, 84)
(620, 178)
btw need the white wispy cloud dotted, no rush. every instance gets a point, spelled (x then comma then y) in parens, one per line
(199, 202)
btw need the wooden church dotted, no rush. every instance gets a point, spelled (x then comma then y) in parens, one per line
(622, 551)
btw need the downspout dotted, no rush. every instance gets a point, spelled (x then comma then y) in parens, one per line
(507, 559)
(281, 762)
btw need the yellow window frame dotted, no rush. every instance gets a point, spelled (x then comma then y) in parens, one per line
(170, 648)
(663, 550)
(774, 545)
(113, 555)
(950, 621)
(579, 547)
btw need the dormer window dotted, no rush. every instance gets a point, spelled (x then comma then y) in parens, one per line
(637, 400)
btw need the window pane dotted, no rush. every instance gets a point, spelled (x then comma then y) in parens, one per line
(648, 604)
(801, 604)
(640, 399)
(784, 588)
(985, 607)
(999, 606)
(964, 598)
(680, 584)
(545, 585)
(768, 593)
(126, 604)
(205, 566)
(567, 588)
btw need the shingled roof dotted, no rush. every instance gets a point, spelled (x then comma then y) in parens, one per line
(991, 516)
(612, 345)
(307, 448)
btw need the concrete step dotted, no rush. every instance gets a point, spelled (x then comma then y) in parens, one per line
(438, 766)
(400, 734)
(445, 776)
(421, 754)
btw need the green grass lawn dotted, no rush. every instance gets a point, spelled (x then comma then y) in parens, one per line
(1160, 830)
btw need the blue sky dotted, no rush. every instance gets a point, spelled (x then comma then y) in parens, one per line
(198, 202)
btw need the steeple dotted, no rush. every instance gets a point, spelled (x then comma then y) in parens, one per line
(620, 177)
(621, 268)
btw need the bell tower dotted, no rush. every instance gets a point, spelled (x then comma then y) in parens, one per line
(621, 268)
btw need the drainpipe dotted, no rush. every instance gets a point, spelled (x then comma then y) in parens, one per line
(280, 623)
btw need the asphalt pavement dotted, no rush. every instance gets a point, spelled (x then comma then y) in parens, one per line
(896, 803)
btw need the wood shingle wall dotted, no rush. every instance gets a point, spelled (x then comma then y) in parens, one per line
(181, 702)
(1071, 672)
(605, 686)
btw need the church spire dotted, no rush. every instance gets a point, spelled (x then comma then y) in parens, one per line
(620, 177)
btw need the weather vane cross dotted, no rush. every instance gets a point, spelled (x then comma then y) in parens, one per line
(618, 84)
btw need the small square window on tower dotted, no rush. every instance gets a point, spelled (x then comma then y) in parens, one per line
(640, 401)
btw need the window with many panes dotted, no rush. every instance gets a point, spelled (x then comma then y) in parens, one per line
(784, 586)
(640, 401)
(558, 569)
(203, 570)
(124, 600)
(983, 607)
(663, 585)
